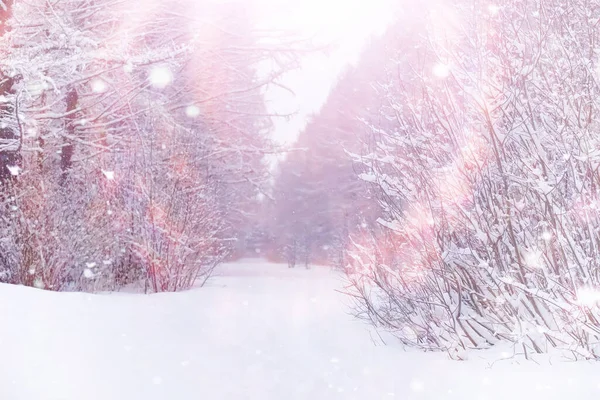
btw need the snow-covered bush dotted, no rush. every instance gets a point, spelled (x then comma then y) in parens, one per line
(131, 135)
(486, 156)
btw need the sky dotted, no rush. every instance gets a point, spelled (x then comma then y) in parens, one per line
(346, 25)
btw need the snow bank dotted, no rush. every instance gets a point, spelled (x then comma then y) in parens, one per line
(258, 331)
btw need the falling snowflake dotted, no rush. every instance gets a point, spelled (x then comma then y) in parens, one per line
(98, 86)
(534, 259)
(110, 175)
(38, 283)
(441, 70)
(192, 111)
(493, 9)
(160, 77)
(14, 169)
(88, 273)
(588, 297)
(547, 235)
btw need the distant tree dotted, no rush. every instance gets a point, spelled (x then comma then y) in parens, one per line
(319, 200)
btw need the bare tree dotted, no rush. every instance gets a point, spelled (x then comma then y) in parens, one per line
(485, 159)
(142, 134)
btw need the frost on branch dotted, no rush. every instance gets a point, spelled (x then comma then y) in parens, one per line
(491, 222)
(100, 161)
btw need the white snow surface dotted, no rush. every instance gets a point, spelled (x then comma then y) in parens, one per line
(257, 331)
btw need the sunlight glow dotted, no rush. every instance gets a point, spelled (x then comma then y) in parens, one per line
(343, 27)
(334, 18)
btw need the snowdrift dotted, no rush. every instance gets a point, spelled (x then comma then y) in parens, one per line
(258, 331)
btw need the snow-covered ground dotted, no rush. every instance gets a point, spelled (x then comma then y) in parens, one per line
(258, 331)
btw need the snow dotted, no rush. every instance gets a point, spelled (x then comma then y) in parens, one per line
(14, 170)
(110, 175)
(257, 331)
(588, 296)
(547, 236)
(441, 70)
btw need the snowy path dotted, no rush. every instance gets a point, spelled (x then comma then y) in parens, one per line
(260, 331)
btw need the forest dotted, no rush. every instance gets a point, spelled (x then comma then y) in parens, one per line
(451, 176)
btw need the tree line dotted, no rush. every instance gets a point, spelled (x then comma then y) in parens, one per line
(132, 139)
(474, 127)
